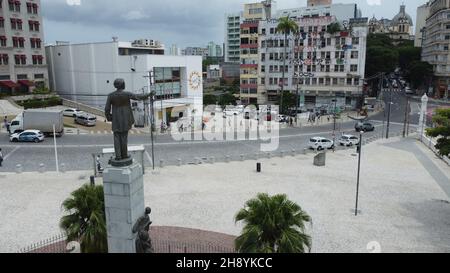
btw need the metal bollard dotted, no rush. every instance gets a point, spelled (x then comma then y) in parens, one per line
(92, 179)
(19, 168)
(62, 168)
(242, 157)
(258, 167)
(161, 163)
(42, 168)
(179, 161)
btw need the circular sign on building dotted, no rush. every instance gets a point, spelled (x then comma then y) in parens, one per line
(195, 80)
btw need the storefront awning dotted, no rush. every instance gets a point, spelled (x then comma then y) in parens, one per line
(26, 83)
(9, 84)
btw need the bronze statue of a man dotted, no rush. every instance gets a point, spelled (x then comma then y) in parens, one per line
(118, 110)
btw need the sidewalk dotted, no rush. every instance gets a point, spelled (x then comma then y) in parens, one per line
(404, 198)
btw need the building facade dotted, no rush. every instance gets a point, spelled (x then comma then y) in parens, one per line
(435, 49)
(422, 15)
(342, 12)
(253, 14)
(195, 51)
(321, 66)
(232, 37)
(214, 50)
(312, 3)
(86, 72)
(22, 62)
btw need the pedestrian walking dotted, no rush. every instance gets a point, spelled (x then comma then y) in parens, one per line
(1, 157)
(5, 122)
(99, 164)
(181, 129)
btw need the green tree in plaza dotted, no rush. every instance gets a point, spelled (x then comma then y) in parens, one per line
(285, 26)
(381, 56)
(408, 55)
(273, 224)
(289, 101)
(441, 131)
(418, 73)
(85, 221)
(209, 99)
(227, 99)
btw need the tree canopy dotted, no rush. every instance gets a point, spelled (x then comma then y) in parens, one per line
(286, 25)
(441, 131)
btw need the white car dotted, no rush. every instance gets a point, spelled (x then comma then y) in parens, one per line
(27, 136)
(348, 140)
(408, 90)
(71, 112)
(320, 143)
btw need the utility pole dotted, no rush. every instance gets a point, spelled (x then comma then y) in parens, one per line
(359, 170)
(151, 81)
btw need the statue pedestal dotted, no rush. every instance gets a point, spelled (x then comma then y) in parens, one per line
(124, 204)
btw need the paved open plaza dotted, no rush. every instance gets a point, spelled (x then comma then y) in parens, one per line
(404, 198)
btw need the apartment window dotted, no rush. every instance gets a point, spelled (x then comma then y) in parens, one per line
(321, 81)
(20, 59)
(11, 5)
(263, 68)
(349, 81)
(19, 24)
(353, 68)
(3, 41)
(4, 59)
(13, 23)
(447, 26)
(354, 55)
(270, 81)
(263, 80)
(263, 57)
(35, 8)
(15, 42)
(21, 42)
(328, 41)
(263, 31)
(340, 54)
(314, 81)
(447, 37)
(30, 8)
(2, 22)
(22, 76)
(355, 40)
(33, 25)
(272, 30)
(335, 81)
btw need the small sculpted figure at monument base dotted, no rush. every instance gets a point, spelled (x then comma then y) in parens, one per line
(142, 228)
(118, 111)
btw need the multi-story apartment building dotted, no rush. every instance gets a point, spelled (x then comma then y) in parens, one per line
(342, 12)
(195, 51)
(253, 14)
(321, 66)
(214, 50)
(435, 49)
(22, 62)
(232, 37)
(312, 3)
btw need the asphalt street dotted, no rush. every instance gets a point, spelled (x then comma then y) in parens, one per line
(75, 151)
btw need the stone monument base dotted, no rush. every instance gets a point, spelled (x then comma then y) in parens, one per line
(124, 204)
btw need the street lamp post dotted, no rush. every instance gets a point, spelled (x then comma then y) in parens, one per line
(334, 120)
(389, 114)
(359, 170)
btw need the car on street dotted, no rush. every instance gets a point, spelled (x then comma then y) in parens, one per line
(408, 90)
(320, 143)
(71, 112)
(282, 119)
(27, 136)
(364, 126)
(348, 140)
(86, 119)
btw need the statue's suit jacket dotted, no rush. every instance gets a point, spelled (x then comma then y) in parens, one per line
(121, 115)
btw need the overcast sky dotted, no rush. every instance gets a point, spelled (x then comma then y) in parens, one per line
(183, 22)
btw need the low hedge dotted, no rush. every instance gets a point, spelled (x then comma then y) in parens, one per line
(39, 103)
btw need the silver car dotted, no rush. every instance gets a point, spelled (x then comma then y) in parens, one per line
(86, 119)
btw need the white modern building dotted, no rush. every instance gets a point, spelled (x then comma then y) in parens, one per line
(232, 37)
(86, 72)
(342, 12)
(422, 14)
(214, 50)
(22, 62)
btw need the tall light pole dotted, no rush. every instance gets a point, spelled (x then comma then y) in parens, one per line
(389, 114)
(334, 120)
(359, 170)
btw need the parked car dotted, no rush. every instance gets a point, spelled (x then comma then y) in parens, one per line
(348, 140)
(85, 119)
(320, 143)
(364, 126)
(282, 119)
(71, 112)
(27, 136)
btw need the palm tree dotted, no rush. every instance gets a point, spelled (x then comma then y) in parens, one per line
(285, 26)
(85, 221)
(273, 225)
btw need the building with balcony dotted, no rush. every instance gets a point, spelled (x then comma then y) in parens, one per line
(422, 15)
(22, 62)
(86, 72)
(435, 48)
(321, 67)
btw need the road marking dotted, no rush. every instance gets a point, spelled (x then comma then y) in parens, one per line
(10, 153)
(149, 158)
